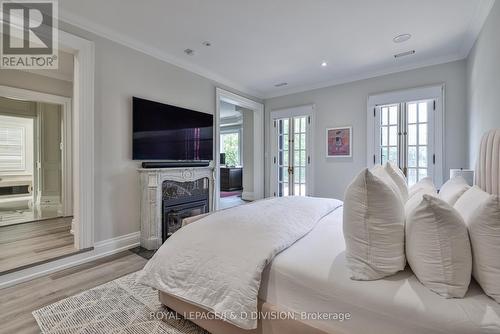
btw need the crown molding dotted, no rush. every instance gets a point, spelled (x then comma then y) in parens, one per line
(102, 31)
(476, 25)
(364, 76)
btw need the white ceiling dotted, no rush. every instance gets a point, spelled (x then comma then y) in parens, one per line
(257, 44)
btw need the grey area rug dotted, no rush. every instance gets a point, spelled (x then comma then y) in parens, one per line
(119, 306)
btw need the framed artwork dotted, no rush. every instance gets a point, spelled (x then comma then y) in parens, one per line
(339, 142)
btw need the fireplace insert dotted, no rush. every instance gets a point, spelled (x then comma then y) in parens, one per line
(181, 200)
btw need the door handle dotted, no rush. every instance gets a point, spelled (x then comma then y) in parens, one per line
(290, 170)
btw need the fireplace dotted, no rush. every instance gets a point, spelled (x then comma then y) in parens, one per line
(181, 200)
(170, 194)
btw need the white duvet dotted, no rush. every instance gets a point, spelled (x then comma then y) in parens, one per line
(216, 263)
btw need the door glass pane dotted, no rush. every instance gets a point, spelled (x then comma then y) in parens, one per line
(393, 135)
(384, 154)
(412, 134)
(412, 113)
(422, 172)
(384, 135)
(302, 175)
(422, 156)
(412, 176)
(296, 159)
(385, 116)
(412, 156)
(422, 112)
(285, 190)
(393, 154)
(393, 115)
(422, 134)
(297, 124)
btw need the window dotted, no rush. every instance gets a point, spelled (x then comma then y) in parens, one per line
(406, 128)
(12, 148)
(231, 145)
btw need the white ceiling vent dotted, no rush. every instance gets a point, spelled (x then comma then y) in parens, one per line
(404, 54)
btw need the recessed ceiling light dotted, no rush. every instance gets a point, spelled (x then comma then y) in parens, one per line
(401, 38)
(281, 84)
(324, 64)
(403, 54)
(189, 52)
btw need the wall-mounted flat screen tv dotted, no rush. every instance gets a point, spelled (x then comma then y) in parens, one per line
(165, 132)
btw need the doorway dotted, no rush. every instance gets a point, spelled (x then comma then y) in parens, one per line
(239, 152)
(407, 128)
(291, 147)
(31, 168)
(35, 180)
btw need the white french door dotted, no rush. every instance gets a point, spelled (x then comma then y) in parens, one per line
(404, 135)
(291, 165)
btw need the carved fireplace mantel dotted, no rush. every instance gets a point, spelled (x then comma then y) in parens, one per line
(151, 181)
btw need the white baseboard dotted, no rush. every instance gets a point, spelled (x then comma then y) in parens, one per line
(101, 249)
(247, 196)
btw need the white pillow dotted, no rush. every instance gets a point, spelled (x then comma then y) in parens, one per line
(481, 212)
(373, 228)
(451, 191)
(438, 248)
(399, 179)
(380, 172)
(470, 201)
(417, 197)
(425, 183)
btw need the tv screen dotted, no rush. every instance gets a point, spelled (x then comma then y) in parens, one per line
(165, 132)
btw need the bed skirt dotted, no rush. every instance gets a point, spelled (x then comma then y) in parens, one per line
(264, 326)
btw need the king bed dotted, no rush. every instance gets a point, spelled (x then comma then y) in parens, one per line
(310, 279)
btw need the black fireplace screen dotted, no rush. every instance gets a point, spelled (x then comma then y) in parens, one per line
(182, 200)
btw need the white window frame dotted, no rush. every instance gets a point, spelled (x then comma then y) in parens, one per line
(305, 110)
(234, 129)
(436, 92)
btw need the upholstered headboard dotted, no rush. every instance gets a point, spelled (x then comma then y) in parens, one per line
(488, 163)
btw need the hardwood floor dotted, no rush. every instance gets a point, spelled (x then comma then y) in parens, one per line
(17, 302)
(25, 244)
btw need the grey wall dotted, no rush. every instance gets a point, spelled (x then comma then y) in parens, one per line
(121, 73)
(346, 105)
(483, 83)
